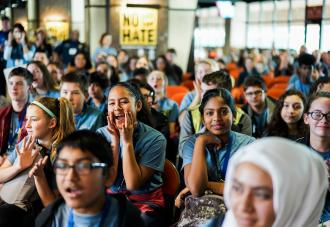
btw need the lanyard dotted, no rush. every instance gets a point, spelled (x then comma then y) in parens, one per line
(18, 130)
(226, 158)
(105, 211)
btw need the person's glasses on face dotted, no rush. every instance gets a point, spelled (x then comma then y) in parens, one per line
(148, 95)
(318, 115)
(252, 93)
(81, 168)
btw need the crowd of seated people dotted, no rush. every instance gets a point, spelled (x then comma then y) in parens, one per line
(86, 137)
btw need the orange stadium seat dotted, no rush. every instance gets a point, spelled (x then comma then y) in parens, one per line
(178, 97)
(279, 86)
(279, 79)
(171, 183)
(275, 93)
(235, 72)
(186, 76)
(268, 80)
(171, 179)
(231, 66)
(171, 90)
(238, 94)
(188, 84)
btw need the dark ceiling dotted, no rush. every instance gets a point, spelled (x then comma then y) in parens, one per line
(209, 3)
(21, 3)
(12, 3)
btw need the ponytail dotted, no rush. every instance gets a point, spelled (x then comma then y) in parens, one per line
(65, 123)
(61, 110)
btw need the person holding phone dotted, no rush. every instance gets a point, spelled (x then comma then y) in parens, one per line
(17, 50)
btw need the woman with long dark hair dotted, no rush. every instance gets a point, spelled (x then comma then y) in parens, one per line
(139, 153)
(17, 50)
(163, 65)
(287, 119)
(43, 84)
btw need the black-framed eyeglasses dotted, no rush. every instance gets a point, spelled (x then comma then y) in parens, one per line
(318, 115)
(150, 94)
(82, 168)
(257, 92)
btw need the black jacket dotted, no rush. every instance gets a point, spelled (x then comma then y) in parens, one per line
(128, 213)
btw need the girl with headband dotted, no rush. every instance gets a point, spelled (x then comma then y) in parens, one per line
(48, 121)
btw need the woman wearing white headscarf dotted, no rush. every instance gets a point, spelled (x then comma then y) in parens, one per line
(275, 182)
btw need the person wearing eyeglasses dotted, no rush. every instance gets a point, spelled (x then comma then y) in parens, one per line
(317, 118)
(259, 107)
(84, 168)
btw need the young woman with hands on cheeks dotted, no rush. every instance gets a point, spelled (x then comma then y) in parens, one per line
(139, 152)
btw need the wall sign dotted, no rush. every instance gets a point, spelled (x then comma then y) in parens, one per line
(138, 27)
(58, 30)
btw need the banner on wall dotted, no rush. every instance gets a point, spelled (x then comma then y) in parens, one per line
(138, 27)
(57, 30)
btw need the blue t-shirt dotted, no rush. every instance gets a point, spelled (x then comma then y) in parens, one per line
(169, 108)
(13, 155)
(326, 157)
(3, 38)
(50, 93)
(90, 118)
(149, 148)
(187, 100)
(300, 86)
(15, 56)
(326, 210)
(215, 159)
(102, 107)
(84, 220)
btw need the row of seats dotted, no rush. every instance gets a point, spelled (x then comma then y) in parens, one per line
(276, 87)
